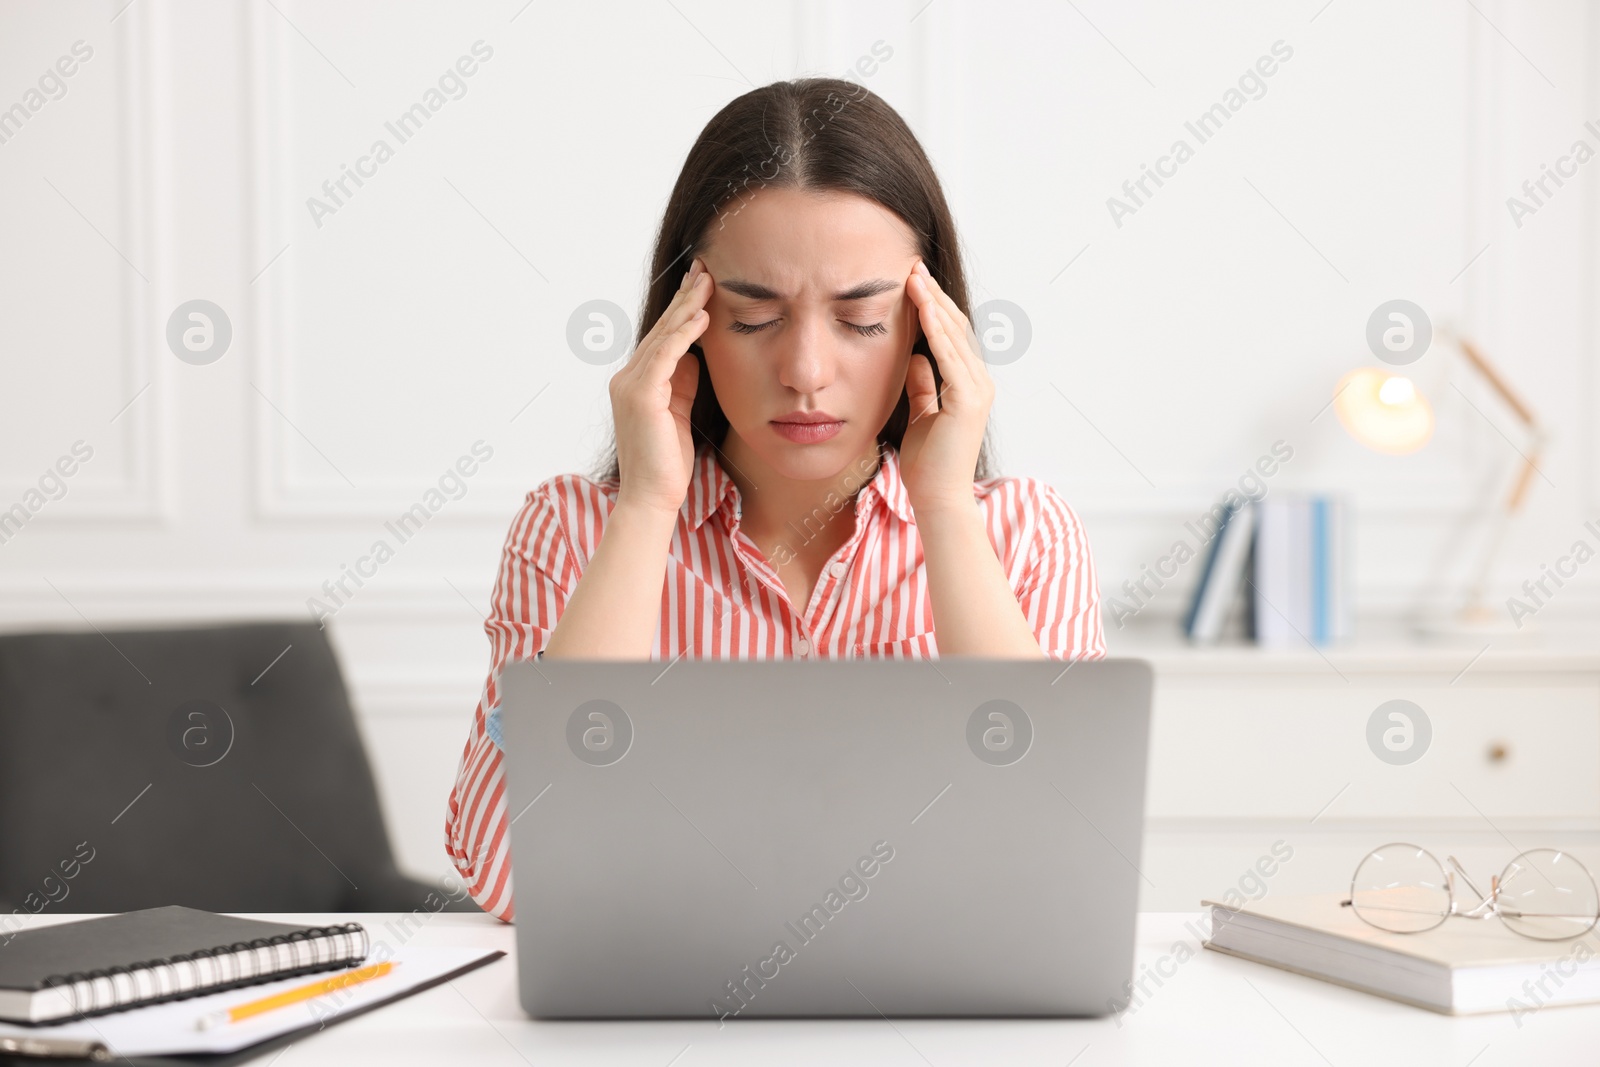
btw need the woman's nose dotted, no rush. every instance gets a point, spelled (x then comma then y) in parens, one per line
(806, 363)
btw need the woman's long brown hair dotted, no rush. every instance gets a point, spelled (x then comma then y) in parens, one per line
(822, 134)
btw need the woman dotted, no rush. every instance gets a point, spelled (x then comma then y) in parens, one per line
(800, 466)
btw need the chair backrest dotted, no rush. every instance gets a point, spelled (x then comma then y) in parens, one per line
(216, 767)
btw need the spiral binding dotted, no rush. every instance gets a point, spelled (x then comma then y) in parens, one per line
(189, 974)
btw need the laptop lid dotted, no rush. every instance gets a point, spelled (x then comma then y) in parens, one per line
(744, 838)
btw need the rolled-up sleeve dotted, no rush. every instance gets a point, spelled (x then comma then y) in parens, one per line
(1059, 592)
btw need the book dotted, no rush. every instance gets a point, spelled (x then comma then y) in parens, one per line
(96, 966)
(1219, 583)
(1300, 572)
(1273, 582)
(1198, 597)
(1462, 967)
(1328, 600)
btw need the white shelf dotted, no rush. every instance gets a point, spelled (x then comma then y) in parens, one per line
(1382, 647)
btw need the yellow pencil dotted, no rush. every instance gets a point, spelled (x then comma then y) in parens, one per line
(295, 995)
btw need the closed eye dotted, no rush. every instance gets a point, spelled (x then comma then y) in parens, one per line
(869, 330)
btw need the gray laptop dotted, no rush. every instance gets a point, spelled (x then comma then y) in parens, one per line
(744, 838)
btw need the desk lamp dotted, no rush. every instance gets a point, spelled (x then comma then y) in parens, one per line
(1386, 412)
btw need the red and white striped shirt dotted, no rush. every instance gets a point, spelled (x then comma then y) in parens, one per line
(723, 599)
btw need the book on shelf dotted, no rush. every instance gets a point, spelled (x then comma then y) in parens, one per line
(1223, 574)
(1284, 560)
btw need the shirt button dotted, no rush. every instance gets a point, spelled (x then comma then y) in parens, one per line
(837, 569)
(803, 647)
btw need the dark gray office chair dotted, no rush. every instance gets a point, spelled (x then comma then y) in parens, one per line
(215, 767)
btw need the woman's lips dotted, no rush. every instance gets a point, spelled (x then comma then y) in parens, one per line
(808, 433)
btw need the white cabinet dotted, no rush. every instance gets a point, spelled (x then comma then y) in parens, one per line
(1249, 749)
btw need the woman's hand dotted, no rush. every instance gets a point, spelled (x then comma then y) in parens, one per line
(651, 397)
(940, 450)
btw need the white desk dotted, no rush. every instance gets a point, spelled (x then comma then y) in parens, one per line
(1213, 1009)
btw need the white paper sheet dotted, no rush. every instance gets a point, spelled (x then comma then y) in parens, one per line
(167, 1029)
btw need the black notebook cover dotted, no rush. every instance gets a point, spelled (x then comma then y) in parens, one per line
(34, 959)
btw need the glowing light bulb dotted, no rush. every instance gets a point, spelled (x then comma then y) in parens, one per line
(1397, 391)
(1383, 411)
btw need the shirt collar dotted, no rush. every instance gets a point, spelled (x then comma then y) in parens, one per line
(711, 489)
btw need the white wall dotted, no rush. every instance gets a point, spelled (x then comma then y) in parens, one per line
(429, 312)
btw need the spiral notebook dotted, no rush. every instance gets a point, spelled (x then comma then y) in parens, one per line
(146, 957)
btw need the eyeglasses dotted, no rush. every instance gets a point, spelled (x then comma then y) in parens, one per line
(1543, 893)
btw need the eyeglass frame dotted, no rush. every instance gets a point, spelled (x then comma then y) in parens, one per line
(1487, 905)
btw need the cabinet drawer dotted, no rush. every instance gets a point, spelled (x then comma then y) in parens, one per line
(1505, 746)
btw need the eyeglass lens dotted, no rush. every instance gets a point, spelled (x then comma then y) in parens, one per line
(1548, 895)
(1400, 888)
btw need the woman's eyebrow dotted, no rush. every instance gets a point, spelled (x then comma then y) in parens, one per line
(755, 291)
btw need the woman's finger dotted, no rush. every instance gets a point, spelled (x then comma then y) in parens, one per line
(953, 368)
(690, 297)
(921, 392)
(943, 297)
(660, 364)
(959, 326)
